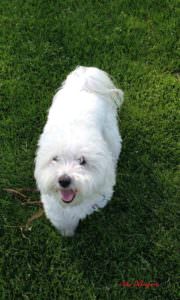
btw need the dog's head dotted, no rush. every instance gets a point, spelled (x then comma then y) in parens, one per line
(73, 168)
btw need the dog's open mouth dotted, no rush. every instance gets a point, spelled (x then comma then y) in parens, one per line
(68, 196)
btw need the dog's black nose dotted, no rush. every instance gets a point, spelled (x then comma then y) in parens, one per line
(64, 181)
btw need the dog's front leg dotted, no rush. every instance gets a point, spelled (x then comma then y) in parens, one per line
(67, 228)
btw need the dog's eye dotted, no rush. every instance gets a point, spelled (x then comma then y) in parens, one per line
(55, 158)
(82, 161)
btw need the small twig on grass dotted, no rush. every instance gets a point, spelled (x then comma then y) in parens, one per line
(35, 216)
(27, 190)
(16, 193)
(29, 222)
(38, 203)
(27, 201)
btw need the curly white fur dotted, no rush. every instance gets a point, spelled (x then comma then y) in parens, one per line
(80, 140)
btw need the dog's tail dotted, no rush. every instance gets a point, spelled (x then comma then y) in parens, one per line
(94, 80)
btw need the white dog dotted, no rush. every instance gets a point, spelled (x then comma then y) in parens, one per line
(79, 148)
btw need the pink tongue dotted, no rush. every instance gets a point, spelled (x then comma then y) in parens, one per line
(67, 195)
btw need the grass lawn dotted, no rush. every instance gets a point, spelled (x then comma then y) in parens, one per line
(135, 236)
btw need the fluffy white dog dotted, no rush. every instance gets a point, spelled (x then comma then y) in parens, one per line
(79, 148)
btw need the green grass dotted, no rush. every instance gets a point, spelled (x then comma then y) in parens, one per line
(135, 236)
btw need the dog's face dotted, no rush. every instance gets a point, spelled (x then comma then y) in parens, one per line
(73, 168)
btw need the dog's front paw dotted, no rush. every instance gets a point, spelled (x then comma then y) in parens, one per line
(69, 229)
(67, 232)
